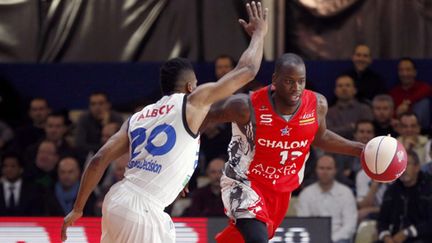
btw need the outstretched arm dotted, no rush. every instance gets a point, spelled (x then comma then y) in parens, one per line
(116, 146)
(200, 100)
(234, 109)
(330, 141)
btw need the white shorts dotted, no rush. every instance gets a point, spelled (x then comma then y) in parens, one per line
(129, 217)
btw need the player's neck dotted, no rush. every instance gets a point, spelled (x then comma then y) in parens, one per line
(282, 107)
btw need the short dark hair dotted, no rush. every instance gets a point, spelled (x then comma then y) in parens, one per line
(66, 120)
(14, 155)
(409, 113)
(225, 56)
(38, 98)
(363, 121)
(170, 73)
(99, 93)
(288, 59)
(408, 59)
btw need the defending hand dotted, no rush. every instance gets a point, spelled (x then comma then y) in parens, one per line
(257, 19)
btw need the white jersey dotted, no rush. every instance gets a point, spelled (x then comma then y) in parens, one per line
(163, 150)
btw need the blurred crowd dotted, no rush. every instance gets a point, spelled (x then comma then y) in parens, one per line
(42, 158)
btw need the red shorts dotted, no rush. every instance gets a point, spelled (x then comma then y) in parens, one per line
(242, 201)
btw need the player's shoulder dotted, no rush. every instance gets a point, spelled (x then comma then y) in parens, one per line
(320, 97)
(322, 104)
(240, 101)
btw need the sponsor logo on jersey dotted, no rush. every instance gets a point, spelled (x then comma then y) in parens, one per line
(156, 111)
(266, 119)
(271, 172)
(285, 131)
(263, 108)
(151, 166)
(307, 118)
(282, 144)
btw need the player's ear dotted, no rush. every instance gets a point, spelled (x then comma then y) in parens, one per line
(189, 87)
(273, 78)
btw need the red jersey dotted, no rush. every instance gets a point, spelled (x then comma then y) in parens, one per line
(271, 151)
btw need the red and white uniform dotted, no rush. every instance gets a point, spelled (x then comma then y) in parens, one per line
(267, 159)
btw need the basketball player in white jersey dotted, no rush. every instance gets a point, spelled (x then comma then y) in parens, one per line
(163, 143)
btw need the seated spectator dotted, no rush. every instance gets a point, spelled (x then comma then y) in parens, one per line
(89, 126)
(343, 115)
(406, 211)
(367, 82)
(329, 198)
(60, 203)
(223, 65)
(43, 170)
(383, 112)
(410, 136)
(17, 196)
(411, 94)
(348, 166)
(207, 201)
(55, 131)
(31, 133)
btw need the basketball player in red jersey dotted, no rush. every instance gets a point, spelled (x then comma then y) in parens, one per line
(273, 129)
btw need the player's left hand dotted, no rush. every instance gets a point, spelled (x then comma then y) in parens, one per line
(68, 221)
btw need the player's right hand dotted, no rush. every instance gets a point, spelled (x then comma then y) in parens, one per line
(68, 221)
(257, 19)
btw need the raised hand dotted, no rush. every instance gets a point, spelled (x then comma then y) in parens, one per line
(257, 19)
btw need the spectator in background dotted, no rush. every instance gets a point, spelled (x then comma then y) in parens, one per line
(55, 131)
(207, 201)
(349, 166)
(411, 94)
(31, 133)
(89, 126)
(43, 170)
(411, 138)
(329, 198)
(368, 83)
(17, 196)
(66, 188)
(406, 211)
(223, 64)
(342, 116)
(383, 112)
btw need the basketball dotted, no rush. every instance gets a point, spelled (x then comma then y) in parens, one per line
(384, 159)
